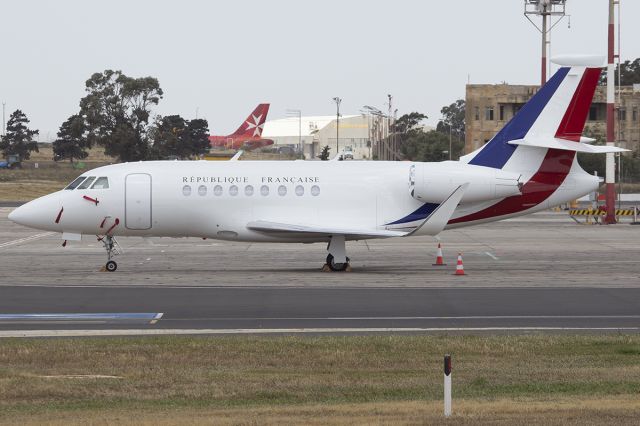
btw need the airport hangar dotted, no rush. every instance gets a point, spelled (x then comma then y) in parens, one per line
(361, 134)
(312, 133)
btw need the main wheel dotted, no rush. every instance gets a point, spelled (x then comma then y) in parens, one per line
(111, 266)
(337, 266)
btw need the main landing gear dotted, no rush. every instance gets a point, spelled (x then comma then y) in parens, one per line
(112, 247)
(337, 259)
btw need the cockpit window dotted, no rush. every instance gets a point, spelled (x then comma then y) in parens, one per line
(87, 183)
(101, 183)
(76, 182)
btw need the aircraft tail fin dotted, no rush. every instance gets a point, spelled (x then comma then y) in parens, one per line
(558, 110)
(253, 125)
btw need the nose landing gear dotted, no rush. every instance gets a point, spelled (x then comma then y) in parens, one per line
(337, 259)
(113, 249)
(337, 267)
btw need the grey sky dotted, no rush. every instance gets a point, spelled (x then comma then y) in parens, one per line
(226, 57)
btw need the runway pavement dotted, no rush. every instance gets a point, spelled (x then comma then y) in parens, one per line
(538, 273)
(316, 309)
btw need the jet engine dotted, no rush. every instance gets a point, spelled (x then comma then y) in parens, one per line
(434, 182)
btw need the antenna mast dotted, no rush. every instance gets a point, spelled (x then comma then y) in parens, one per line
(544, 9)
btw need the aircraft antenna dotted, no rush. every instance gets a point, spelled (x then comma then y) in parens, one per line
(544, 9)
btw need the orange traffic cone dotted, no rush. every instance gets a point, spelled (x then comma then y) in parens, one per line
(439, 260)
(459, 266)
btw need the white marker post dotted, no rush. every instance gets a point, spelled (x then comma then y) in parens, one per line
(447, 385)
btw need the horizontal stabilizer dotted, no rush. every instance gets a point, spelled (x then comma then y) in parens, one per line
(579, 60)
(566, 145)
(438, 219)
(315, 230)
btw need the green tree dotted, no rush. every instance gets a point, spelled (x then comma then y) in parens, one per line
(198, 136)
(629, 73)
(72, 141)
(429, 146)
(173, 136)
(166, 136)
(117, 109)
(409, 122)
(324, 154)
(453, 118)
(18, 139)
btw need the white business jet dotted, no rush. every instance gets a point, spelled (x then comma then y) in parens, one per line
(528, 166)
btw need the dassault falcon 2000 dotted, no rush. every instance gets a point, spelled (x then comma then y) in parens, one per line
(529, 165)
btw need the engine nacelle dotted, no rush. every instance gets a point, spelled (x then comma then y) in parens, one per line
(434, 182)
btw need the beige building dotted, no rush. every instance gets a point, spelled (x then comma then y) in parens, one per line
(490, 106)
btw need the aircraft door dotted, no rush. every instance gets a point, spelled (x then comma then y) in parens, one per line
(137, 203)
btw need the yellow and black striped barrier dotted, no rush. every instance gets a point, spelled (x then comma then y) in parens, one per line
(591, 212)
(587, 212)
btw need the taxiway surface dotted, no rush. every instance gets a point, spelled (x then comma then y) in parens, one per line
(541, 272)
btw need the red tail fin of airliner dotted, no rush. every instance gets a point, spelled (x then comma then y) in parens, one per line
(252, 126)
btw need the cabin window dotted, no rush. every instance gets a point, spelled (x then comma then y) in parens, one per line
(217, 190)
(315, 190)
(186, 190)
(282, 190)
(101, 183)
(87, 183)
(264, 190)
(248, 190)
(75, 183)
(299, 190)
(233, 190)
(202, 190)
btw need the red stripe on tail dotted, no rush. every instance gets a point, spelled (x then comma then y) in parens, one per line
(572, 123)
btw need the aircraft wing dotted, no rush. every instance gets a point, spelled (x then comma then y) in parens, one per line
(314, 230)
(432, 225)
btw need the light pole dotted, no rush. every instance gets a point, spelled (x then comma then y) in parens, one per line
(378, 130)
(4, 126)
(337, 100)
(450, 137)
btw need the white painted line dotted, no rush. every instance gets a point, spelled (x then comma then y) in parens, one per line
(481, 317)
(491, 255)
(80, 376)
(26, 239)
(470, 317)
(158, 332)
(156, 318)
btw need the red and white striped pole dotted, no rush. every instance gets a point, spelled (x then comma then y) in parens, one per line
(610, 177)
(543, 74)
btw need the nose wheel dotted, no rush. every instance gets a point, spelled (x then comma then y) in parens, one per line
(113, 249)
(338, 267)
(337, 259)
(111, 266)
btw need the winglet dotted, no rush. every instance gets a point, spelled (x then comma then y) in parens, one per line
(236, 156)
(438, 219)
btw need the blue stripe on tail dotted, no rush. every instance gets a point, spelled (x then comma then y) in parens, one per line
(497, 151)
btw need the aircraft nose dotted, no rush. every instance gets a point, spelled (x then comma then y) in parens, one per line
(34, 214)
(18, 215)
